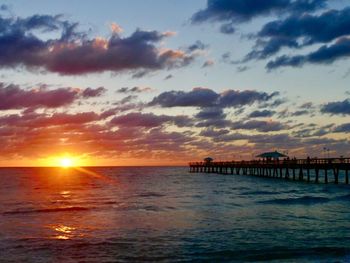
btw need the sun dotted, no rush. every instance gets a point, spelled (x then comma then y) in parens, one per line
(66, 162)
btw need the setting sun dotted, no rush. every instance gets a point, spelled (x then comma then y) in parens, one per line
(66, 162)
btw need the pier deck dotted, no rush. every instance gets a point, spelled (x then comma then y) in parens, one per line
(309, 170)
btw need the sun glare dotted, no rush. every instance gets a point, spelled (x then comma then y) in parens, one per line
(66, 162)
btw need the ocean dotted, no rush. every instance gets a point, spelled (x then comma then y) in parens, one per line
(165, 214)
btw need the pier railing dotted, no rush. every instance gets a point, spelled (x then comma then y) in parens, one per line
(340, 160)
(286, 168)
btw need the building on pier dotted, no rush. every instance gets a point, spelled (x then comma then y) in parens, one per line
(208, 160)
(268, 156)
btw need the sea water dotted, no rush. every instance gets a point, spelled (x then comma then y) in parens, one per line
(165, 214)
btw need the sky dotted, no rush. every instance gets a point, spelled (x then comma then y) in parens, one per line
(165, 82)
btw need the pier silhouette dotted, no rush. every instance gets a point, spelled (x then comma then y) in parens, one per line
(309, 170)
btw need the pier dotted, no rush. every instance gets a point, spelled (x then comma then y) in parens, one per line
(323, 170)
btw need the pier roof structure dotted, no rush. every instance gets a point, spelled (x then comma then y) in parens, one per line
(272, 155)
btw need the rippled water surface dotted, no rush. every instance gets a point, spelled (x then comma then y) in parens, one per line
(166, 214)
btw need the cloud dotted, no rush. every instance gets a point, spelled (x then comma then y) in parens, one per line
(35, 120)
(135, 89)
(202, 97)
(263, 113)
(330, 28)
(236, 98)
(262, 126)
(198, 97)
(198, 45)
(343, 128)
(210, 132)
(214, 123)
(307, 105)
(90, 92)
(211, 113)
(168, 77)
(239, 11)
(300, 30)
(73, 53)
(135, 53)
(227, 29)
(324, 55)
(149, 120)
(300, 113)
(13, 97)
(242, 68)
(208, 63)
(115, 28)
(337, 107)
(4, 7)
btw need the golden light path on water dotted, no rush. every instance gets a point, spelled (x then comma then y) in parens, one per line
(63, 230)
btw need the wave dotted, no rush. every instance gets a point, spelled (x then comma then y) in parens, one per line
(313, 254)
(305, 200)
(259, 193)
(48, 210)
(150, 194)
(343, 197)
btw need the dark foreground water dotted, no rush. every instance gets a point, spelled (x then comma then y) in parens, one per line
(167, 214)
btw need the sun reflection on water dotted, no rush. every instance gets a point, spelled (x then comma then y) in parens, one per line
(65, 194)
(64, 232)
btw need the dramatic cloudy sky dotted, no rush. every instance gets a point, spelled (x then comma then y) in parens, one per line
(157, 82)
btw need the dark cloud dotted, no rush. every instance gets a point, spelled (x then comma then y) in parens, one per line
(262, 126)
(122, 106)
(343, 128)
(244, 10)
(227, 29)
(242, 68)
(211, 113)
(210, 132)
(135, 53)
(226, 57)
(74, 53)
(198, 97)
(236, 98)
(283, 61)
(168, 77)
(149, 120)
(90, 92)
(275, 103)
(198, 45)
(35, 120)
(300, 113)
(201, 97)
(307, 105)
(263, 113)
(320, 132)
(135, 89)
(311, 29)
(13, 97)
(269, 48)
(300, 30)
(324, 55)
(337, 107)
(4, 7)
(217, 123)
